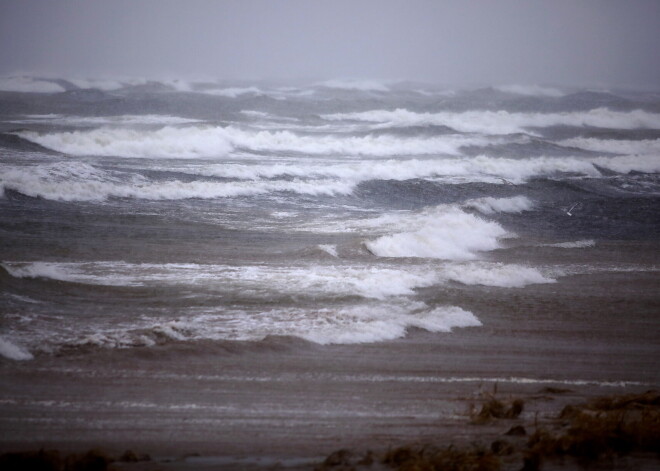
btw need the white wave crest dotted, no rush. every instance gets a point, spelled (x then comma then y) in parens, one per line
(366, 323)
(375, 283)
(13, 351)
(641, 163)
(504, 122)
(71, 181)
(490, 205)
(165, 142)
(28, 85)
(214, 142)
(466, 169)
(105, 85)
(494, 274)
(443, 233)
(623, 146)
(377, 324)
(329, 249)
(104, 120)
(578, 244)
(234, 92)
(530, 90)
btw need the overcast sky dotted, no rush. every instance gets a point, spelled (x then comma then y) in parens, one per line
(562, 42)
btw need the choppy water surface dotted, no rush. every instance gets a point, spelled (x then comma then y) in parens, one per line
(338, 213)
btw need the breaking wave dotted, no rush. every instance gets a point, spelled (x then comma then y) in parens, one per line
(79, 181)
(443, 232)
(28, 85)
(578, 244)
(375, 322)
(490, 205)
(476, 169)
(12, 351)
(70, 181)
(198, 142)
(263, 281)
(616, 146)
(234, 92)
(505, 122)
(103, 120)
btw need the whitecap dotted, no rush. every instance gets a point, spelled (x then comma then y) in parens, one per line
(12, 351)
(504, 122)
(490, 205)
(443, 233)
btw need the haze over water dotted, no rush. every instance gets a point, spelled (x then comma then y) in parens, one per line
(216, 253)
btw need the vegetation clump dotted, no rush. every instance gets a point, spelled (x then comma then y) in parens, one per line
(496, 409)
(608, 426)
(604, 427)
(430, 458)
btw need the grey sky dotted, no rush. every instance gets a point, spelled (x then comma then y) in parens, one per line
(572, 42)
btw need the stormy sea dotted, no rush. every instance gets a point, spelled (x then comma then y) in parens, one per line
(270, 271)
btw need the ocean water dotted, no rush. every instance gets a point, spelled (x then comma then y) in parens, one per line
(154, 216)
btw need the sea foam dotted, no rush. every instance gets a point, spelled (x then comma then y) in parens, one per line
(616, 146)
(443, 233)
(12, 351)
(28, 85)
(490, 205)
(76, 181)
(494, 274)
(505, 122)
(259, 281)
(578, 244)
(365, 323)
(218, 141)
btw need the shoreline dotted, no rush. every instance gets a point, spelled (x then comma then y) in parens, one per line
(537, 431)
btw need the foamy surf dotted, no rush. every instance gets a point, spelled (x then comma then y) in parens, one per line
(505, 122)
(369, 323)
(70, 181)
(443, 233)
(494, 274)
(218, 141)
(578, 244)
(12, 351)
(89, 121)
(259, 281)
(490, 205)
(615, 146)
